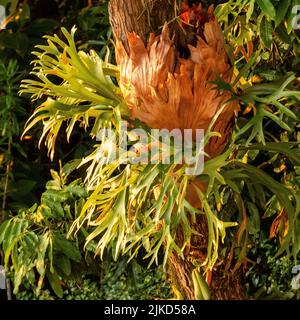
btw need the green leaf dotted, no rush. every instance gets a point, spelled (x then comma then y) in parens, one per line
(18, 277)
(77, 191)
(201, 288)
(250, 10)
(254, 218)
(265, 31)
(30, 243)
(10, 248)
(282, 11)
(291, 150)
(17, 41)
(66, 247)
(40, 262)
(63, 263)
(3, 229)
(51, 209)
(56, 196)
(13, 230)
(12, 5)
(69, 167)
(267, 7)
(24, 187)
(222, 10)
(55, 284)
(41, 26)
(282, 33)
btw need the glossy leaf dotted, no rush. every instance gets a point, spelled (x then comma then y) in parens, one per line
(267, 7)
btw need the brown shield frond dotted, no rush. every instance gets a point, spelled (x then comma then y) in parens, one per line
(168, 92)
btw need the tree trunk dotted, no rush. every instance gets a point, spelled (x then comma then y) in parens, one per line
(139, 16)
(223, 284)
(143, 17)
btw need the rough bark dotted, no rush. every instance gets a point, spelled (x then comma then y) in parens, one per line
(139, 16)
(125, 16)
(224, 285)
(143, 17)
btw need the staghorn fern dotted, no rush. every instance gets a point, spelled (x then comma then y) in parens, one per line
(78, 87)
(136, 206)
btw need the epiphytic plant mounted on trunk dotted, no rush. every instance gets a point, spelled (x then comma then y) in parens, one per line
(168, 83)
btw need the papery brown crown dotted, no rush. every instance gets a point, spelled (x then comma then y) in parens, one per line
(167, 92)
